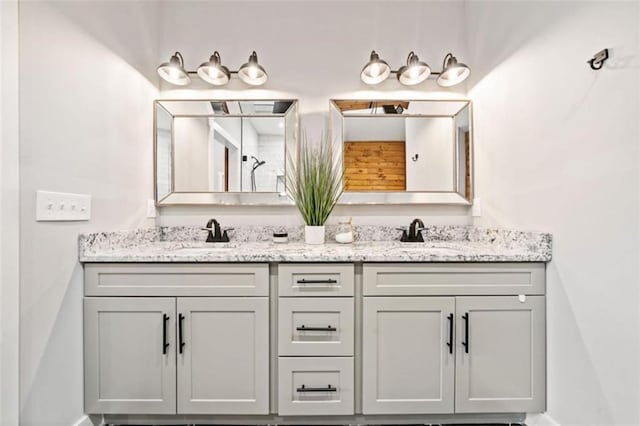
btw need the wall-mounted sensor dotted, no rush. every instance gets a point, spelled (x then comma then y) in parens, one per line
(244, 158)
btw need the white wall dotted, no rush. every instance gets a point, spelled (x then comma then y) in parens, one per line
(249, 149)
(9, 214)
(191, 154)
(557, 150)
(86, 116)
(313, 51)
(431, 140)
(374, 129)
(232, 127)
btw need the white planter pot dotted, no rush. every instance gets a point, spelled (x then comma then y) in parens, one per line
(314, 234)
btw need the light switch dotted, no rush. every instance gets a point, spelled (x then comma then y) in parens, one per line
(60, 206)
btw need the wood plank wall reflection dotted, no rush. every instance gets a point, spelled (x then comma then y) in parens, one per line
(374, 166)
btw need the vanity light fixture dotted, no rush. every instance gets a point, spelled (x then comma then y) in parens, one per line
(173, 71)
(453, 72)
(212, 71)
(376, 70)
(251, 72)
(415, 71)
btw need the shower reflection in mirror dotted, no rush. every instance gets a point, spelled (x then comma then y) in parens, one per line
(228, 154)
(217, 147)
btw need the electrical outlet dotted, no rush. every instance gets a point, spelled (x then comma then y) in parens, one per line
(476, 210)
(151, 209)
(60, 206)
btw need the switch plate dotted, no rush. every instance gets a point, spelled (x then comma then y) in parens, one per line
(60, 206)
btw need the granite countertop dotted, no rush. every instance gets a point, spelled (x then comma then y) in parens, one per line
(373, 244)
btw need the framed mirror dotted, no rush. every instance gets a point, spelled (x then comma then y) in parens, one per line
(223, 151)
(404, 151)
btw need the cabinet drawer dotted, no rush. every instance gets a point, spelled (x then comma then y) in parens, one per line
(446, 279)
(315, 386)
(328, 279)
(140, 279)
(315, 326)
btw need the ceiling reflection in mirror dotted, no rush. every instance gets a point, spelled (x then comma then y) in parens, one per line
(404, 151)
(218, 148)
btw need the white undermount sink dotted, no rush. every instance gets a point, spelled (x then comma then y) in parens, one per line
(213, 248)
(421, 247)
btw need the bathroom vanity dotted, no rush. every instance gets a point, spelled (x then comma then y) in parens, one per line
(253, 332)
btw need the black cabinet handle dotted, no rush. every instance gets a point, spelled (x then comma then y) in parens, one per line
(327, 281)
(329, 388)
(180, 341)
(305, 328)
(165, 344)
(465, 317)
(450, 342)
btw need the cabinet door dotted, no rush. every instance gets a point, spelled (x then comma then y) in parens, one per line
(223, 362)
(408, 361)
(129, 355)
(500, 354)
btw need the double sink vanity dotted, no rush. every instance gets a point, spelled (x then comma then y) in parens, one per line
(178, 331)
(436, 325)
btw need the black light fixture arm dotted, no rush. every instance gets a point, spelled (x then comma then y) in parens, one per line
(196, 72)
(433, 74)
(180, 58)
(447, 58)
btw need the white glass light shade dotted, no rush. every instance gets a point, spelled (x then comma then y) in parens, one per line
(375, 71)
(252, 72)
(174, 72)
(213, 72)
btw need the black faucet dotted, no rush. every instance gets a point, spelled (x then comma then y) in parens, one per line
(414, 235)
(217, 236)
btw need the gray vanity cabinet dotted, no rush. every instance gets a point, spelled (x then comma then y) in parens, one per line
(200, 348)
(496, 361)
(128, 368)
(408, 367)
(223, 363)
(501, 358)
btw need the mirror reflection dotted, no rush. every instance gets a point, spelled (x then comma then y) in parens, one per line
(405, 146)
(221, 146)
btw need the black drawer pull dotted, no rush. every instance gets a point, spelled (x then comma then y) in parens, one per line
(180, 341)
(327, 281)
(329, 388)
(450, 342)
(165, 344)
(465, 317)
(305, 328)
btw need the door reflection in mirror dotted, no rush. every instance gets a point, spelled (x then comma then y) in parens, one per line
(416, 147)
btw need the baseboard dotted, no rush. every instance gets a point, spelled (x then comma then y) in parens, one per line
(542, 419)
(89, 421)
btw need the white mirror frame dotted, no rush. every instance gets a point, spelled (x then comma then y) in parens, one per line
(229, 198)
(336, 118)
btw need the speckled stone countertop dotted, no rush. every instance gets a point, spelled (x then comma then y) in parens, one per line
(373, 244)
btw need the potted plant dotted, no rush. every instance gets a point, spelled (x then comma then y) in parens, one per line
(314, 184)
